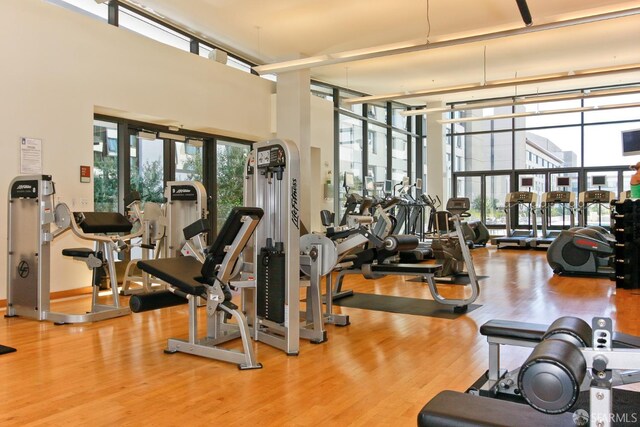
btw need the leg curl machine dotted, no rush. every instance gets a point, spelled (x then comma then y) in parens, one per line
(31, 215)
(190, 279)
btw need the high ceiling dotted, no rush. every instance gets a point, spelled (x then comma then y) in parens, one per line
(272, 31)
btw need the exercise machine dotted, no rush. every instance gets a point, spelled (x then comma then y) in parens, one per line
(568, 357)
(186, 202)
(177, 228)
(519, 238)
(598, 198)
(449, 244)
(582, 251)
(370, 263)
(566, 202)
(211, 281)
(32, 213)
(272, 182)
(153, 224)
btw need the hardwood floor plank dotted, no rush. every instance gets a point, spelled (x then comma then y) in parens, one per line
(380, 370)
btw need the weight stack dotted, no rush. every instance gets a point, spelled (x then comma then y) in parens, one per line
(271, 285)
(626, 220)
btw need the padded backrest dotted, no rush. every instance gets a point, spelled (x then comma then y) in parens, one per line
(442, 219)
(326, 217)
(103, 222)
(198, 227)
(226, 236)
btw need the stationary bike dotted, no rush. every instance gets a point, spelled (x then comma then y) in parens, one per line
(449, 244)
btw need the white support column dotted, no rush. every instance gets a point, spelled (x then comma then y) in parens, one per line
(293, 109)
(436, 167)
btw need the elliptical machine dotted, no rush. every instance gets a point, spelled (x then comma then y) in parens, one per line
(586, 250)
(582, 251)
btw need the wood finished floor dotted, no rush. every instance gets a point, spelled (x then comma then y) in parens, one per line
(380, 370)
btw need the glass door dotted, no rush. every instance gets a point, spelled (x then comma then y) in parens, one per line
(471, 187)
(496, 189)
(229, 177)
(146, 162)
(189, 160)
(600, 213)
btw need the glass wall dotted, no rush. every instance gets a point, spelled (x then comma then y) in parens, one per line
(574, 144)
(603, 144)
(374, 140)
(350, 154)
(142, 25)
(399, 153)
(377, 150)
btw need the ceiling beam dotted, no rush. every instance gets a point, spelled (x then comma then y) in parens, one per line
(417, 46)
(541, 113)
(568, 75)
(522, 100)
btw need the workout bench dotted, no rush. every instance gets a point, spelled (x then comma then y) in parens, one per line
(190, 279)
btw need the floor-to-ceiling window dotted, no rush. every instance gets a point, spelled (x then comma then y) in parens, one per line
(375, 142)
(530, 142)
(105, 166)
(143, 157)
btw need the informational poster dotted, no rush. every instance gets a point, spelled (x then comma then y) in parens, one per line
(85, 174)
(30, 156)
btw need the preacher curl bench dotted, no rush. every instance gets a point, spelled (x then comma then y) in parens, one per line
(190, 279)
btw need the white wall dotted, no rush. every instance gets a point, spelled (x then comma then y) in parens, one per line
(58, 67)
(321, 138)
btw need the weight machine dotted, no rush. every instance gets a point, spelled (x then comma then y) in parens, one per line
(272, 297)
(164, 232)
(31, 215)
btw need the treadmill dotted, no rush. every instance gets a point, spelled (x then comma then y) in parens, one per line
(599, 198)
(519, 238)
(564, 200)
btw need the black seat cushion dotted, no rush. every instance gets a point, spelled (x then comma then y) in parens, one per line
(180, 272)
(516, 330)
(455, 409)
(104, 222)
(406, 268)
(78, 252)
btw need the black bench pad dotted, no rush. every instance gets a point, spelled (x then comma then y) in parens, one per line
(455, 409)
(621, 340)
(514, 330)
(534, 332)
(406, 268)
(78, 252)
(179, 272)
(105, 222)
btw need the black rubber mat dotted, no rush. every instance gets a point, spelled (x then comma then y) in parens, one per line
(4, 349)
(393, 304)
(461, 279)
